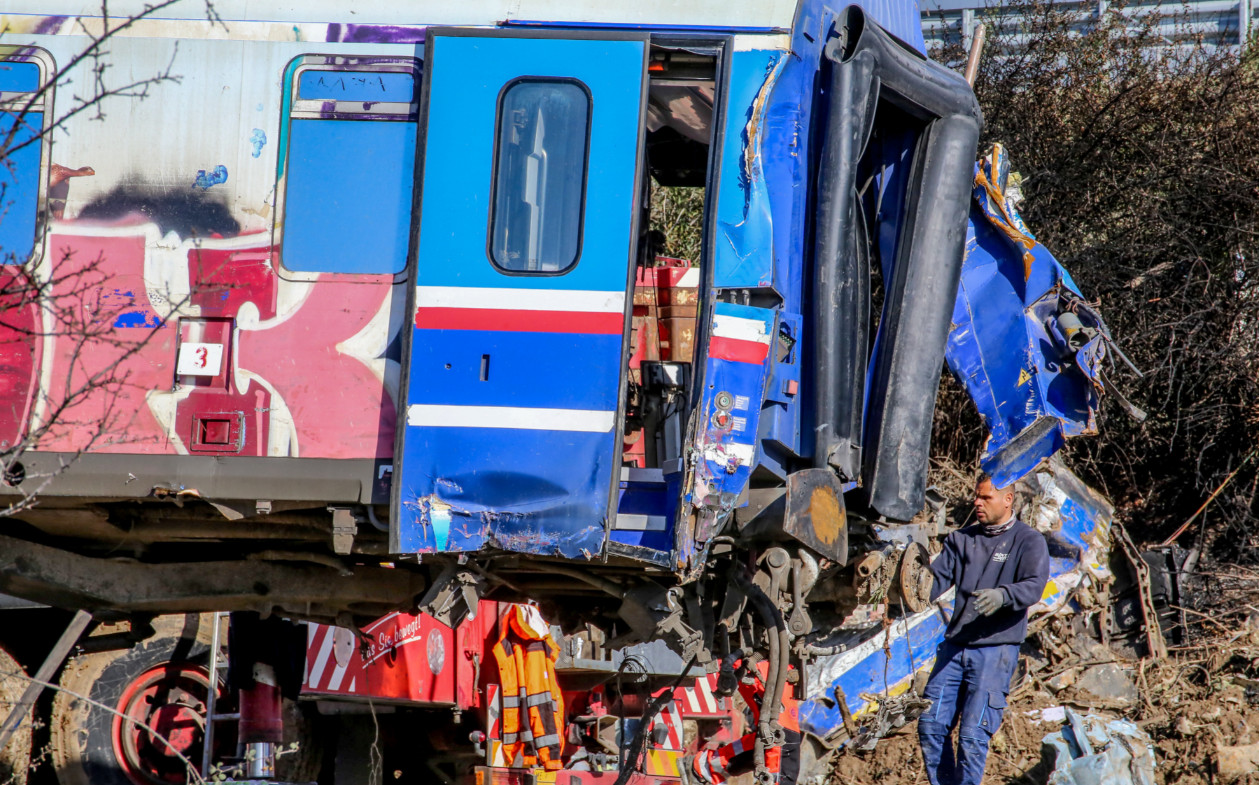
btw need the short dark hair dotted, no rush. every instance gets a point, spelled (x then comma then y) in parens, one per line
(987, 477)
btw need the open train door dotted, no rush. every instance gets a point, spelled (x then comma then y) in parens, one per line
(514, 369)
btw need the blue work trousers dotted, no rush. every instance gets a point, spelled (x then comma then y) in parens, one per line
(968, 688)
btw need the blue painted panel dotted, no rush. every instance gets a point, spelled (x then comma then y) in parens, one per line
(1023, 379)
(19, 186)
(642, 498)
(453, 226)
(743, 246)
(729, 452)
(524, 369)
(874, 669)
(18, 77)
(537, 490)
(470, 488)
(347, 201)
(763, 192)
(367, 86)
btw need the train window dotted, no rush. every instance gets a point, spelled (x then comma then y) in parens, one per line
(350, 169)
(23, 115)
(539, 179)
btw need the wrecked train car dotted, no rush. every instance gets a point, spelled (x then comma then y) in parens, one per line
(328, 313)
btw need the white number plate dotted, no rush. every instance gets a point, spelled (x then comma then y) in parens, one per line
(199, 359)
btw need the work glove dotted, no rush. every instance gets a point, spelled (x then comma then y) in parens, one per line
(989, 601)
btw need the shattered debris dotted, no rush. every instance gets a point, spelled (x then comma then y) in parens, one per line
(1153, 654)
(1091, 750)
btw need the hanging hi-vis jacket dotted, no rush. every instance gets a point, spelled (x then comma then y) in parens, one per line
(533, 706)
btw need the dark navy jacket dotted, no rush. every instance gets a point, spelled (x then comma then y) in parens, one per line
(1016, 561)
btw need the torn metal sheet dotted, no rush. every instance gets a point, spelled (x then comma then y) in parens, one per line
(1038, 380)
(1076, 521)
(738, 358)
(1091, 750)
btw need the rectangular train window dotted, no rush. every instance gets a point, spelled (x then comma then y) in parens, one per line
(350, 169)
(24, 112)
(539, 175)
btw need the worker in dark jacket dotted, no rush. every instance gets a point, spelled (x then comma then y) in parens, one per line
(999, 567)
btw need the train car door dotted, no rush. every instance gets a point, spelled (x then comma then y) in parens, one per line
(527, 232)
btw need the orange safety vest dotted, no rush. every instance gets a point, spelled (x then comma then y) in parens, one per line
(533, 705)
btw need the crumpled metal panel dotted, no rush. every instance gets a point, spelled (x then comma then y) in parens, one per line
(724, 450)
(879, 660)
(760, 211)
(1076, 522)
(1090, 750)
(1035, 380)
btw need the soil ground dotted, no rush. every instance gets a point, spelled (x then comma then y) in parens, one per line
(1202, 697)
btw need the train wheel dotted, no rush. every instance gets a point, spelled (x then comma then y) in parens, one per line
(162, 683)
(15, 758)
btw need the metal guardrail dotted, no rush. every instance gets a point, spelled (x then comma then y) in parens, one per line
(1215, 22)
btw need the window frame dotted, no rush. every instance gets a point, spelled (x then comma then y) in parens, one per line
(494, 168)
(293, 107)
(41, 100)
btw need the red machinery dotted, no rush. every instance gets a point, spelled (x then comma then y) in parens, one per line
(405, 661)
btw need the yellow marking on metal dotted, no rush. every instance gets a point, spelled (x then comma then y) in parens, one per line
(663, 763)
(1051, 588)
(825, 514)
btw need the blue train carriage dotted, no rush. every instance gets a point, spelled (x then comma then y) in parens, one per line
(829, 149)
(509, 199)
(832, 152)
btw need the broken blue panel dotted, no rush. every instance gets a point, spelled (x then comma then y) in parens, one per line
(347, 202)
(1077, 521)
(1026, 382)
(739, 343)
(523, 488)
(366, 86)
(882, 664)
(766, 175)
(19, 185)
(494, 491)
(743, 245)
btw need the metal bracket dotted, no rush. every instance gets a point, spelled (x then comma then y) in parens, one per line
(453, 596)
(45, 673)
(344, 530)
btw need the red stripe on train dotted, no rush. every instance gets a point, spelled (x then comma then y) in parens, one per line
(733, 349)
(502, 320)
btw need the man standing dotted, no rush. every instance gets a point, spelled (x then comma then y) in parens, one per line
(999, 567)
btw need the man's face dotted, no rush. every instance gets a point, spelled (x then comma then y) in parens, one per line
(992, 505)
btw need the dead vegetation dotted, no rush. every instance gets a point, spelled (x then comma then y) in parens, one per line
(1140, 166)
(1141, 174)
